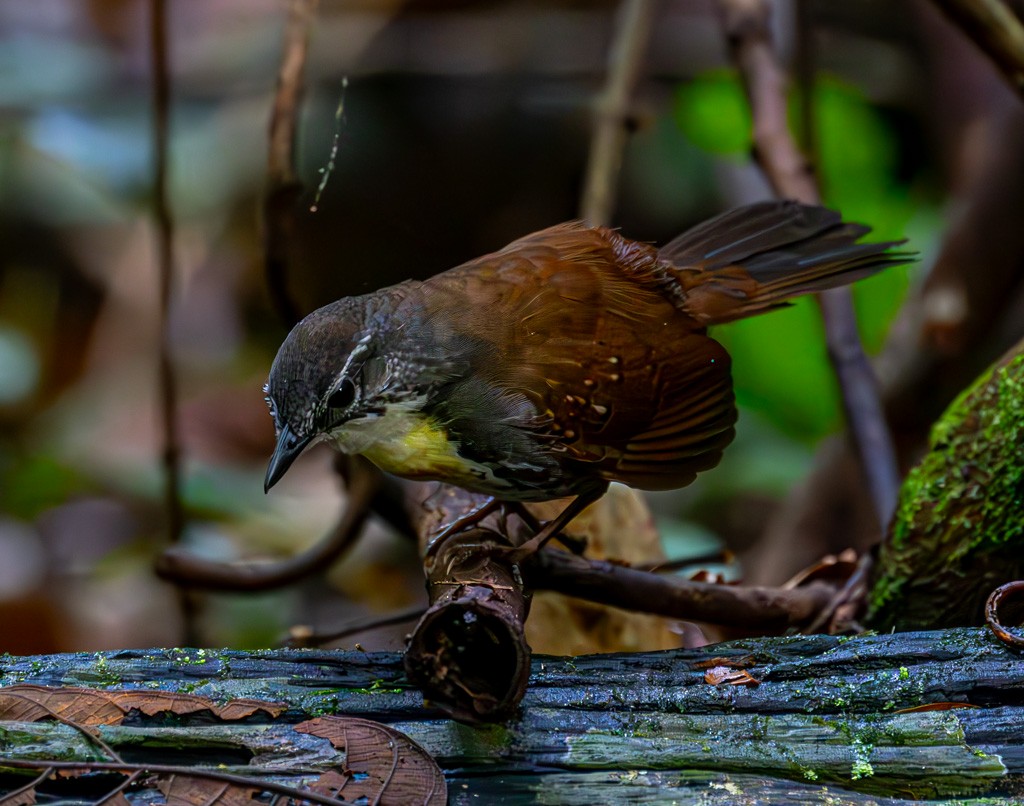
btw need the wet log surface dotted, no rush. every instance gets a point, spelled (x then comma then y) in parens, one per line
(826, 719)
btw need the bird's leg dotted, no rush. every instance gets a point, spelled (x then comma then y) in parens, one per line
(556, 524)
(576, 545)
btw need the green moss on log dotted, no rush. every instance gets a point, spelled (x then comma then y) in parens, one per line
(959, 529)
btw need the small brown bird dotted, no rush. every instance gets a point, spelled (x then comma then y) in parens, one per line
(571, 358)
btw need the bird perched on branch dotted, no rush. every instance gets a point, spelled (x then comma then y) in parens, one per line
(571, 358)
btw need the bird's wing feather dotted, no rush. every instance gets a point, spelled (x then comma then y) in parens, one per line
(624, 386)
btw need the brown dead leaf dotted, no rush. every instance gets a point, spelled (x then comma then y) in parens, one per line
(733, 663)
(30, 703)
(830, 568)
(724, 676)
(381, 764)
(184, 790)
(331, 783)
(156, 702)
(87, 707)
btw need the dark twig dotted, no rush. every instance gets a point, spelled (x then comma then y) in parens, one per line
(165, 265)
(191, 571)
(731, 605)
(998, 598)
(994, 28)
(250, 782)
(14, 796)
(121, 787)
(303, 637)
(846, 602)
(805, 79)
(746, 25)
(612, 115)
(283, 185)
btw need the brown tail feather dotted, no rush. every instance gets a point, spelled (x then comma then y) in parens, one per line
(755, 258)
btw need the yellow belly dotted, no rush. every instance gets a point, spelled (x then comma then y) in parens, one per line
(420, 449)
(417, 447)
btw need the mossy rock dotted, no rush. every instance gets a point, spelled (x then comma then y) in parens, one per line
(959, 529)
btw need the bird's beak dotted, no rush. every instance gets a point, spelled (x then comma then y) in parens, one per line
(287, 451)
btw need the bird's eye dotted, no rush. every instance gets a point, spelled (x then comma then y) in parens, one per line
(343, 396)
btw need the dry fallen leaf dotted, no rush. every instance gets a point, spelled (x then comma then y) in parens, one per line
(381, 764)
(85, 706)
(724, 676)
(184, 790)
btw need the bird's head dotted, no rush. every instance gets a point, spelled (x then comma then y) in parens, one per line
(328, 378)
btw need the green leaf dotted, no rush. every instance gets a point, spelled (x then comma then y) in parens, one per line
(713, 113)
(31, 485)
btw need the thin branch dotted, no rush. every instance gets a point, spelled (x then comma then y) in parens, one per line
(165, 261)
(15, 794)
(613, 110)
(192, 571)
(251, 782)
(122, 787)
(805, 78)
(303, 637)
(165, 264)
(746, 24)
(994, 28)
(283, 184)
(631, 589)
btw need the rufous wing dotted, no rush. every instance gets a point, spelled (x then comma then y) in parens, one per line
(626, 385)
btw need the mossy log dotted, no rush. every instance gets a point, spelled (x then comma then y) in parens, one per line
(959, 530)
(804, 719)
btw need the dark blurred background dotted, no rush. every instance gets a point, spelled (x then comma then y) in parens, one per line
(466, 124)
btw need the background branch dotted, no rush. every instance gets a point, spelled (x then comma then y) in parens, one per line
(756, 609)
(994, 28)
(165, 268)
(190, 570)
(612, 114)
(746, 24)
(283, 185)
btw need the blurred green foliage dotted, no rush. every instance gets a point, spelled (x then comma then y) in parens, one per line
(713, 113)
(32, 484)
(780, 364)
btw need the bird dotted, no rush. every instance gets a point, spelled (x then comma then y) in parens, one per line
(569, 359)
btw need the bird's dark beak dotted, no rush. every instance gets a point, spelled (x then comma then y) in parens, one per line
(287, 451)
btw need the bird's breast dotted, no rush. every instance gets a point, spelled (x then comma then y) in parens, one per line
(408, 443)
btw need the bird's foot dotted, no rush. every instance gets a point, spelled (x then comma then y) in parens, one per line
(553, 528)
(576, 545)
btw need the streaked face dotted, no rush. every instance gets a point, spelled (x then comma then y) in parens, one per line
(318, 384)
